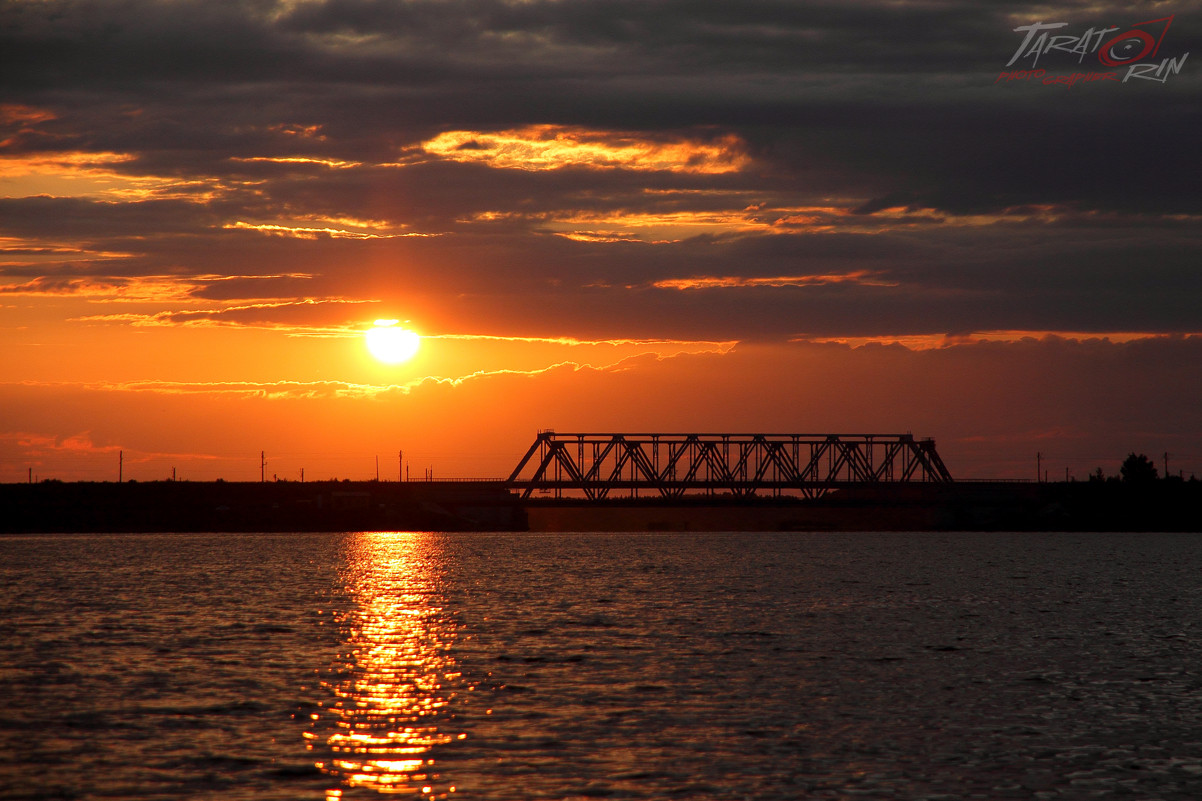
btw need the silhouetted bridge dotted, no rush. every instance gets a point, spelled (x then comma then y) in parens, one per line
(741, 464)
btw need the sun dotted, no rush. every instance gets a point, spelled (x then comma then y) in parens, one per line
(391, 344)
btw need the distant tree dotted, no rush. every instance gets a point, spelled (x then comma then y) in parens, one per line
(1138, 469)
(1097, 475)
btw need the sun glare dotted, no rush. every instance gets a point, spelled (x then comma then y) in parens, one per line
(392, 344)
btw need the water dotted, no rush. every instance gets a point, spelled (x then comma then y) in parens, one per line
(640, 666)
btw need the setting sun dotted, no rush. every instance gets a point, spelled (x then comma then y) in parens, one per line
(392, 344)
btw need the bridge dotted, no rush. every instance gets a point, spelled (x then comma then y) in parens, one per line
(809, 465)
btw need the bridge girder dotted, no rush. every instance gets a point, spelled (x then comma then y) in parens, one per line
(741, 464)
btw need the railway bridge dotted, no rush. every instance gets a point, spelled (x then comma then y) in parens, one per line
(809, 465)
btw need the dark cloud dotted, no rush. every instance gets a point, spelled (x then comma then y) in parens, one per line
(887, 115)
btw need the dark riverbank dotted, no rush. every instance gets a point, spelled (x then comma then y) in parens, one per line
(483, 506)
(959, 506)
(252, 506)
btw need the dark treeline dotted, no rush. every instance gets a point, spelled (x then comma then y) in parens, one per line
(1137, 468)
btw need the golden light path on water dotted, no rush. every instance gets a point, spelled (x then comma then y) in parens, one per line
(391, 692)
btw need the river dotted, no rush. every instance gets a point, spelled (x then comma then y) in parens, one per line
(633, 666)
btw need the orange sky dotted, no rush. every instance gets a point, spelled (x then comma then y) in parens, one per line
(592, 227)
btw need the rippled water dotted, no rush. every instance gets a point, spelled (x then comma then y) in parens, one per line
(656, 666)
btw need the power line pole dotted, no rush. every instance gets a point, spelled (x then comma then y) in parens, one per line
(377, 468)
(262, 467)
(120, 466)
(400, 465)
(1038, 466)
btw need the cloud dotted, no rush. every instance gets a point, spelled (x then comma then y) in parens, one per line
(574, 342)
(301, 232)
(328, 316)
(548, 147)
(38, 444)
(736, 282)
(335, 164)
(141, 289)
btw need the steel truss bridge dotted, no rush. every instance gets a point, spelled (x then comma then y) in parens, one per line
(809, 465)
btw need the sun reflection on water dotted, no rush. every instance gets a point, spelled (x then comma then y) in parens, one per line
(392, 690)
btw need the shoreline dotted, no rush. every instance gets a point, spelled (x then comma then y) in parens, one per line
(183, 506)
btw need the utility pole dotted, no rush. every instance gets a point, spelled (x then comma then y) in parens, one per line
(262, 467)
(120, 466)
(377, 468)
(1166, 464)
(31, 475)
(1038, 466)
(302, 475)
(400, 465)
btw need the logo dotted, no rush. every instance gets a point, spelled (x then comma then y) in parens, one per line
(1129, 55)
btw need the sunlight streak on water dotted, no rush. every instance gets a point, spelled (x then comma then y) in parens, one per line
(396, 680)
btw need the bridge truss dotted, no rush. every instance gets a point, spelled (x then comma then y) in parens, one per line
(809, 465)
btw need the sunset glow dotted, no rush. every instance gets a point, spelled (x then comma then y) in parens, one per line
(614, 217)
(629, 399)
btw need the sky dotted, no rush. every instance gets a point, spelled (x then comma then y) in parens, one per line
(598, 215)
